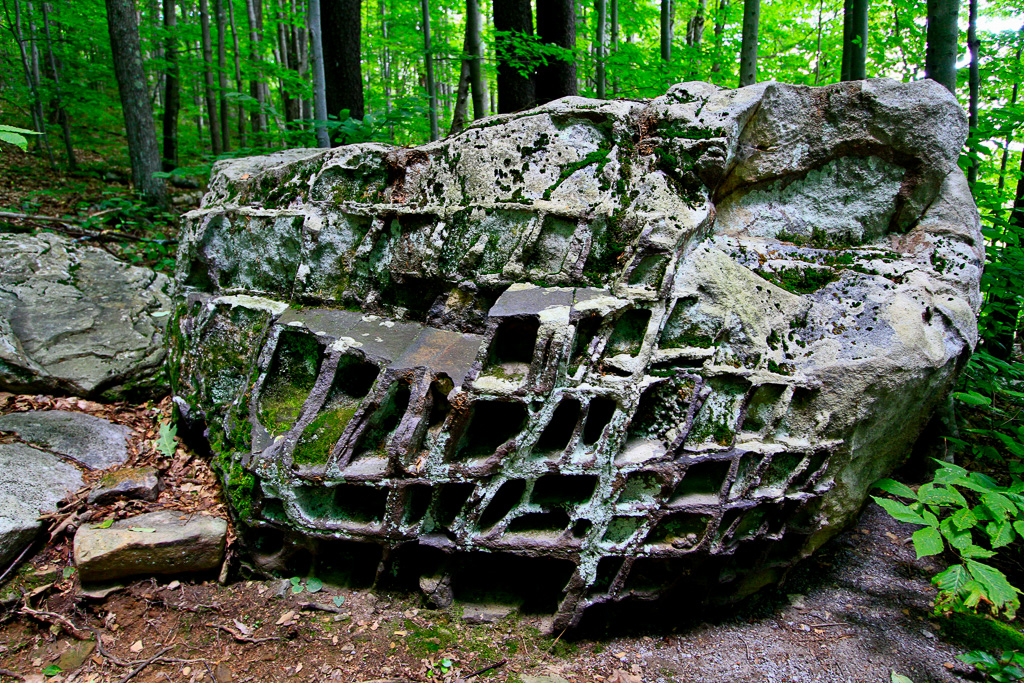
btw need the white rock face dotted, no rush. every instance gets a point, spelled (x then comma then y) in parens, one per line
(655, 347)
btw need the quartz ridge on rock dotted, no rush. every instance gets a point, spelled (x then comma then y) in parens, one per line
(593, 352)
(75, 320)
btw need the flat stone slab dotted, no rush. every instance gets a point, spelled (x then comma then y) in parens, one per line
(74, 319)
(90, 440)
(485, 614)
(138, 483)
(32, 482)
(153, 543)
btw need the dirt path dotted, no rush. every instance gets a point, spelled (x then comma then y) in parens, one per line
(857, 611)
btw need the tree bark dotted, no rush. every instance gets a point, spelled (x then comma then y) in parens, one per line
(239, 111)
(222, 74)
(666, 30)
(38, 120)
(600, 74)
(695, 26)
(476, 72)
(844, 71)
(172, 88)
(855, 39)
(58, 95)
(748, 49)
(613, 28)
(319, 86)
(516, 92)
(720, 15)
(428, 61)
(257, 118)
(974, 81)
(341, 22)
(138, 112)
(208, 90)
(556, 25)
(940, 53)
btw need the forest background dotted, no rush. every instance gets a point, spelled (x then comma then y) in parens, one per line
(200, 82)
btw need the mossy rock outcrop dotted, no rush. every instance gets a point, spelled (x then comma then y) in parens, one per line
(601, 350)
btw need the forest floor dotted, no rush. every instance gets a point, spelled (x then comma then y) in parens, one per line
(857, 611)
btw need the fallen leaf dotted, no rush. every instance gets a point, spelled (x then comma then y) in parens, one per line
(621, 655)
(136, 646)
(401, 633)
(620, 676)
(173, 584)
(285, 618)
(298, 667)
(242, 628)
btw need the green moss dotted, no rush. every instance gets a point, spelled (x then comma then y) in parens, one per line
(598, 156)
(280, 409)
(427, 640)
(801, 280)
(982, 633)
(322, 433)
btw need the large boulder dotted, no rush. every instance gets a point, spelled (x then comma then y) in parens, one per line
(601, 350)
(87, 439)
(73, 319)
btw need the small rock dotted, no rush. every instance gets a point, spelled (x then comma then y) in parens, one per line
(485, 614)
(154, 543)
(90, 440)
(76, 654)
(438, 591)
(99, 591)
(139, 483)
(543, 679)
(31, 482)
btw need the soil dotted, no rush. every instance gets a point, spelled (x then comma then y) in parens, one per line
(858, 610)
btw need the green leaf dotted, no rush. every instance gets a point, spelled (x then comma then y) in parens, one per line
(165, 443)
(895, 488)
(963, 518)
(972, 398)
(52, 670)
(975, 551)
(105, 524)
(978, 658)
(899, 511)
(314, 585)
(899, 678)
(999, 505)
(296, 580)
(68, 572)
(999, 590)
(15, 139)
(1000, 533)
(927, 541)
(296, 589)
(339, 600)
(952, 580)
(942, 496)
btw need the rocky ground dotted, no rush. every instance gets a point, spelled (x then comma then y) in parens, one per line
(858, 611)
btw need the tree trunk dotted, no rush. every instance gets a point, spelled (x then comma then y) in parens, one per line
(138, 112)
(666, 30)
(222, 73)
(428, 60)
(341, 22)
(208, 89)
(974, 81)
(556, 25)
(940, 53)
(723, 8)
(476, 72)
(748, 49)
(239, 111)
(1013, 101)
(62, 112)
(461, 96)
(600, 75)
(294, 103)
(613, 21)
(817, 47)
(317, 63)
(695, 26)
(257, 119)
(515, 85)
(172, 89)
(38, 121)
(1004, 308)
(855, 39)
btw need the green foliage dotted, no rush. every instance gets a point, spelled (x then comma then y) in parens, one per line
(165, 442)
(1008, 667)
(16, 136)
(972, 516)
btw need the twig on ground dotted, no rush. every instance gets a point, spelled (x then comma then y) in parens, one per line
(238, 635)
(131, 674)
(103, 652)
(486, 669)
(59, 620)
(11, 674)
(324, 607)
(17, 560)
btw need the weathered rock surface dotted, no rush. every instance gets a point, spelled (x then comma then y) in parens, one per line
(73, 319)
(32, 482)
(597, 351)
(153, 543)
(92, 441)
(137, 483)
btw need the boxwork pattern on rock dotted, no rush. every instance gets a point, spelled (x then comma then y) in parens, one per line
(609, 350)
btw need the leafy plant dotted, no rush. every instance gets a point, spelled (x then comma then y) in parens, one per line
(1007, 668)
(972, 516)
(166, 443)
(16, 136)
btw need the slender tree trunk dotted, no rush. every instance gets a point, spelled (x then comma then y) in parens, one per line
(208, 89)
(817, 47)
(720, 16)
(172, 89)
(239, 111)
(341, 22)
(666, 30)
(1013, 101)
(257, 118)
(940, 53)
(855, 39)
(556, 26)
(748, 49)
(38, 120)
(613, 21)
(461, 108)
(974, 81)
(222, 73)
(135, 103)
(319, 84)
(600, 74)
(1004, 307)
(62, 113)
(156, 17)
(695, 26)
(476, 72)
(428, 59)
(294, 104)
(515, 90)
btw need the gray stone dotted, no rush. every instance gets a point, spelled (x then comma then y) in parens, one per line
(91, 440)
(650, 347)
(74, 319)
(543, 679)
(138, 483)
(154, 543)
(485, 614)
(438, 591)
(32, 482)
